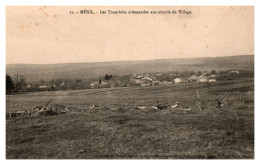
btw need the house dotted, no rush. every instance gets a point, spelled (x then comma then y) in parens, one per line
(136, 81)
(202, 80)
(193, 78)
(43, 87)
(139, 77)
(177, 80)
(142, 79)
(212, 76)
(212, 80)
(146, 74)
(234, 71)
(97, 84)
(147, 80)
(105, 84)
(94, 84)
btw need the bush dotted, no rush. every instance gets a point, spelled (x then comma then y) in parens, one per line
(9, 84)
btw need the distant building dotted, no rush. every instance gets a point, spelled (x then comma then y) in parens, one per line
(177, 80)
(135, 81)
(193, 78)
(202, 80)
(147, 79)
(234, 71)
(212, 80)
(43, 87)
(94, 85)
(146, 74)
(139, 77)
(97, 84)
(212, 76)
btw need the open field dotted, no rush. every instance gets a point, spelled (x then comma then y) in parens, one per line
(114, 130)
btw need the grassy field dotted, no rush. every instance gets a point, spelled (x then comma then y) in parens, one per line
(114, 130)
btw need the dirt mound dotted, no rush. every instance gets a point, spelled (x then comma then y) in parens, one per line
(55, 109)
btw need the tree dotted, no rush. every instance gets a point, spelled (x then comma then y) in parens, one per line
(213, 72)
(52, 85)
(19, 82)
(106, 77)
(9, 84)
(199, 73)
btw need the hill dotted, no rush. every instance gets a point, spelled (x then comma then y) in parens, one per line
(35, 72)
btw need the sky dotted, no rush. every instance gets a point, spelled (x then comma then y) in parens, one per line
(47, 35)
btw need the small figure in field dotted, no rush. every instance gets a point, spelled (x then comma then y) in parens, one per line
(219, 104)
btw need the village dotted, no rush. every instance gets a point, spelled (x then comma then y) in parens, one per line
(149, 79)
(20, 84)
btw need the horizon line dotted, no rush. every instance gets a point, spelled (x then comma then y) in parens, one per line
(125, 60)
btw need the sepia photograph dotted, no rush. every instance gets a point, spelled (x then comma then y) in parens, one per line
(130, 82)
